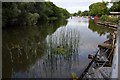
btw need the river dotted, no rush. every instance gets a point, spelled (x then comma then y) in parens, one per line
(54, 50)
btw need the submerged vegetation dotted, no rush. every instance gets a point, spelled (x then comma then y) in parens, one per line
(60, 50)
(31, 13)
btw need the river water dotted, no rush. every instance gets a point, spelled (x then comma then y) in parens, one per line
(54, 50)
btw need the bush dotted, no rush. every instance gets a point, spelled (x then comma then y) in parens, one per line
(32, 18)
(113, 20)
(103, 17)
(31, 13)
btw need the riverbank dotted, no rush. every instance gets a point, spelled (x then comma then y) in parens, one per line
(107, 24)
(109, 21)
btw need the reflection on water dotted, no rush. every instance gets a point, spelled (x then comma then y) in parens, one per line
(53, 50)
(101, 30)
(23, 46)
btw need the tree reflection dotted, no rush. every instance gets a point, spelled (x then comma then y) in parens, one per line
(101, 30)
(22, 46)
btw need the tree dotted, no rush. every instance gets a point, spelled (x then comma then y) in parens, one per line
(79, 12)
(75, 14)
(84, 13)
(115, 7)
(99, 8)
(31, 13)
(9, 13)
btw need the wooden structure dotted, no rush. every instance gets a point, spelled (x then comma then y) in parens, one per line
(117, 14)
(107, 24)
(101, 64)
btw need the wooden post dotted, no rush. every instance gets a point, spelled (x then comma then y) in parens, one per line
(112, 51)
(87, 68)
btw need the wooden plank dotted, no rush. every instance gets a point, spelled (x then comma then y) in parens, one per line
(105, 45)
(89, 65)
(106, 71)
(107, 24)
(106, 64)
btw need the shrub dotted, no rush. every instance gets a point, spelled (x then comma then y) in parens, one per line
(32, 18)
(103, 17)
(113, 20)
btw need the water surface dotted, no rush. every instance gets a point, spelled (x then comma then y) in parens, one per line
(54, 50)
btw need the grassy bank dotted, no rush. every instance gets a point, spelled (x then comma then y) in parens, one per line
(113, 20)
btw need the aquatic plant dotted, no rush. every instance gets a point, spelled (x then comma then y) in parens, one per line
(60, 50)
(74, 76)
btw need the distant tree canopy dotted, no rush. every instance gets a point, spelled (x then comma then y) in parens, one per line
(77, 14)
(30, 13)
(99, 8)
(80, 13)
(115, 7)
(85, 13)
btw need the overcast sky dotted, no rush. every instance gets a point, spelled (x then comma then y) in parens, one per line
(75, 5)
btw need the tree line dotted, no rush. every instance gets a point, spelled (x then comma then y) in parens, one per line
(31, 13)
(99, 8)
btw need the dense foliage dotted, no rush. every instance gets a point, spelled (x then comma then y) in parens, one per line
(77, 14)
(99, 8)
(115, 7)
(30, 13)
(80, 13)
(112, 20)
(84, 13)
